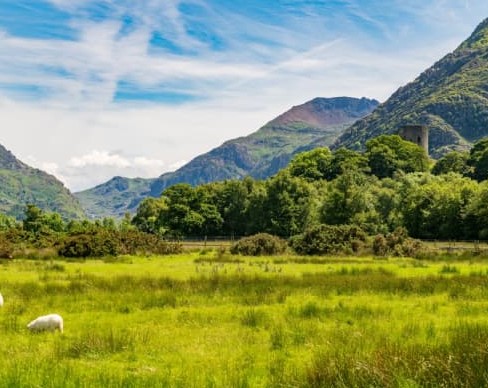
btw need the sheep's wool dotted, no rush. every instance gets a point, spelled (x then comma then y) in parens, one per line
(49, 322)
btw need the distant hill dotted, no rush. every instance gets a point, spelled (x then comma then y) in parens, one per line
(260, 155)
(451, 98)
(21, 184)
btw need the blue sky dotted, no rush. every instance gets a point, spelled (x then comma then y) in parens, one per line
(95, 88)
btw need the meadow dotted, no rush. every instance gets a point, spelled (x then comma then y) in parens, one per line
(210, 319)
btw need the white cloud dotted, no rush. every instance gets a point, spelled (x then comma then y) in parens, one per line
(82, 137)
(99, 158)
(142, 161)
(176, 165)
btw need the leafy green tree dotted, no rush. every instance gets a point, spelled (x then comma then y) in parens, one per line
(147, 218)
(37, 221)
(478, 160)
(33, 219)
(126, 223)
(80, 227)
(384, 195)
(434, 206)
(349, 201)
(182, 210)
(212, 220)
(7, 222)
(255, 215)
(231, 199)
(287, 208)
(388, 154)
(312, 165)
(346, 160)
(452, 162)
(476, 214)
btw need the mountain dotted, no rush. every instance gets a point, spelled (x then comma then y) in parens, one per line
(21, 184)
(450, 98)
(315, 123)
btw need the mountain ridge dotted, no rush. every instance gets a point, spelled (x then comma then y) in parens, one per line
(259, 155)
(450, 97)
(21, 184)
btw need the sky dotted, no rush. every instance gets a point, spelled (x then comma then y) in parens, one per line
(91, 89)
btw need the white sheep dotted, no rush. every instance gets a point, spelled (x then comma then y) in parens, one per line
(1, 300)
(49, 322)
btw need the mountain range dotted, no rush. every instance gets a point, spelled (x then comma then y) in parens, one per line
(259, 155)
(21, 184)
(450, 98)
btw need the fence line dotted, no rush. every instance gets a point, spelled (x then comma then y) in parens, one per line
(441, 245)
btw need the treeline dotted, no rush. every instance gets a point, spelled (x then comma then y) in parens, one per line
(323, 200)
(392, 184)
(43, 234)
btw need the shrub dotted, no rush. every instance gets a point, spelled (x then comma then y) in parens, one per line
(135, 242)
(104, 242)
(259, 244)
(380, 246)
(98, 244)
(329, 239)
(6, 247)
(396, 243)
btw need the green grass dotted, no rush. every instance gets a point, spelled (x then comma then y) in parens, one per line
(205, 320)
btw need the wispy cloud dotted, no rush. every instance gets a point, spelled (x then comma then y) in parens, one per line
(151, 83)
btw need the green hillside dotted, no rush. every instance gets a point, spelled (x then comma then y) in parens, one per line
(260, 155)
(115, 197)
(451, 98)
(21, 184)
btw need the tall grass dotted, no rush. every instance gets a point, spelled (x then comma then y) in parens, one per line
(334, 324)
(461, 362)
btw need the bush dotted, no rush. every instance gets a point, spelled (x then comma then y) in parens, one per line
(6, 247)
(380, 246)
(99, 244)
(259, 244)
(136, 242)
(329, 239)
(104, 242)
(396, 243)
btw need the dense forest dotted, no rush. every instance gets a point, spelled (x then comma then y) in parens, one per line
(392, 186)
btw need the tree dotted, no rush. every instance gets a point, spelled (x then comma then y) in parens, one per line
(478, 160)
(147, 218)
(37, 221)
(232, 200)
(33, 218)
(388, 154)
(349, 201)
(476, 214)
(434, 206)
(452, 162)
(287, 208)
(7, 222)
(345, 160)
(312, 165)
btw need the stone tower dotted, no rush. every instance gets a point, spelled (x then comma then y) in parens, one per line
(418, 134)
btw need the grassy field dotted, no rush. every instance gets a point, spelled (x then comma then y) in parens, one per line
(207, 319)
